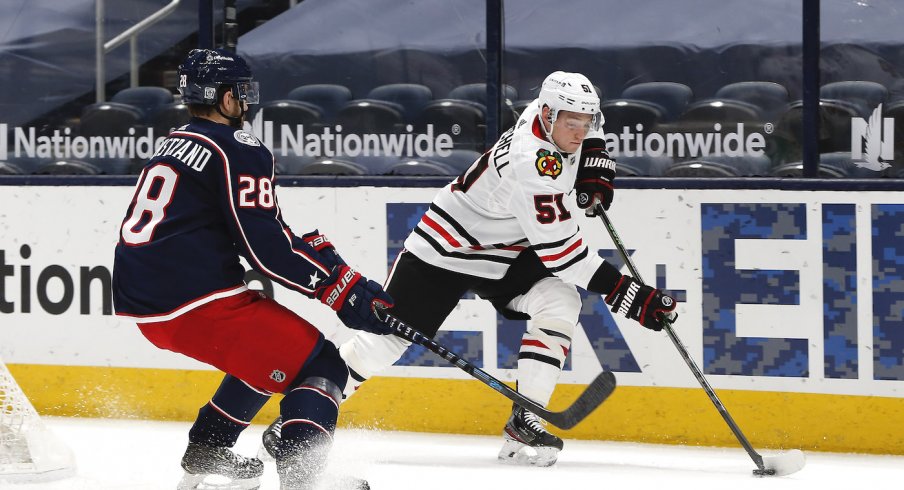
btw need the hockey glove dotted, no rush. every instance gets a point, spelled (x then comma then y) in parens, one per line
(322, 245)
(353, 297)
(649, 306)
(595, 182)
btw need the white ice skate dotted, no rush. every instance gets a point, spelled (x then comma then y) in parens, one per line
(527, 442)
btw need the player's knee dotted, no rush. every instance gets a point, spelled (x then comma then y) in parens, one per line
(368, 354)
(554, 334)
(554, 299)
(328, 366)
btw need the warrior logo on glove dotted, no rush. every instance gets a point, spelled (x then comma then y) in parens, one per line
(648, 306)
(596, 176)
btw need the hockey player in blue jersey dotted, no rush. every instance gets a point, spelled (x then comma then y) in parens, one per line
(203, 200)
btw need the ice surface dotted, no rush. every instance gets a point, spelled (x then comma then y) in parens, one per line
(140, 455)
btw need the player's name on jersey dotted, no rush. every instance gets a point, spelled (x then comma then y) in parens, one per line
(187, 151)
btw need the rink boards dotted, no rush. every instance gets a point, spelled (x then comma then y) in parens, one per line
(789, 302)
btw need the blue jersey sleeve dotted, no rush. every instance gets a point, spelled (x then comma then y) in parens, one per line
(256, 223)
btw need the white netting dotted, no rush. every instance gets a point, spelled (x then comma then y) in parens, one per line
(28, 450)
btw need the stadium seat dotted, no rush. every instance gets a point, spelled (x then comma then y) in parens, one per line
(147, 99)
(671, 96)
(866, 96)
(328, 97)
(720, 110)
(290, 113)
(411, 97)
(291, 164)
(641, 165)
(477, 92)
(69, 167)
(109, 119)
(721, 166)
(831, 165)
(834, 129)
(370, 117)
(770, 97)
(459, 159)
(620, 114)
(170, 117)
(519, 105)
(413, 166)
(461, 120)
(7, 168)
(332, 166)
(376, 164)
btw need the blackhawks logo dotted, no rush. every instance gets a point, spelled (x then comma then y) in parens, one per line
(549, 164)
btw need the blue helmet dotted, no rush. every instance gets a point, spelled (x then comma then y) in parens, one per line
(206, 70)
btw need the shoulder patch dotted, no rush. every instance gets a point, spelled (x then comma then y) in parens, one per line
(245, 137)
(549, 164)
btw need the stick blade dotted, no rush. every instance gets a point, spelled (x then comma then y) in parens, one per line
(783, 464)
(595, 394)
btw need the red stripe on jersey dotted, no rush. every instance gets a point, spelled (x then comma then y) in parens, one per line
(439, 229)
(513, 248)
(571, 248)
(533, 343)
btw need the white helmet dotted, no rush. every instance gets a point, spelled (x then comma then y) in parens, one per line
(564, 91)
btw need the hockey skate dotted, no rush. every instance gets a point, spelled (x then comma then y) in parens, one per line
(291, 477)
(527, 442)
(218, 468)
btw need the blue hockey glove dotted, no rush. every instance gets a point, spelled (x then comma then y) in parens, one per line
(322, 245)
(353, 297)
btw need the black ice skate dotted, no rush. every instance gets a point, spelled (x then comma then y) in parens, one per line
(527, 442)
(218, 468)
(292, 472)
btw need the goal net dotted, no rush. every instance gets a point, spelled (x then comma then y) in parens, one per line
(28, 450)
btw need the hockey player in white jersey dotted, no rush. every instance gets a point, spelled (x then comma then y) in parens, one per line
(502, 230)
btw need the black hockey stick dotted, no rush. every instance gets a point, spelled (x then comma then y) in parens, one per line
(782, 464)
(595, 394)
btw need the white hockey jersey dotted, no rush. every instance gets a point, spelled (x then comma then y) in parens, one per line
(512, 198)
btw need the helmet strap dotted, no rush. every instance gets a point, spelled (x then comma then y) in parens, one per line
(234, 121)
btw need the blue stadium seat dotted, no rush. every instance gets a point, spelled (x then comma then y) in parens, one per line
(333, 166)
(411, 97)
(831, 165)
(170, 117)
(291, 164)
(673, 97)
(721, 110)
(147, 99)
(770, 97)
(289, 113)
(866, 96)
(370, 117)
(69, 167)
(463, 121)
(459, 159)
(7, 168)
(413, 166)
(109, 119)
(622, 113)
(328, 97)
(641, 165)
(477, 92)
(721, 166)
(834, 129)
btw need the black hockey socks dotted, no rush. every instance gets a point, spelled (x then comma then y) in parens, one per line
(231, 409)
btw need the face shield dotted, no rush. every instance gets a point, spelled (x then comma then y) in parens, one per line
(247, 92)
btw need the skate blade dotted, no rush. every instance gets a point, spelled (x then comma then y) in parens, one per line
(783, 464)
(518, 453)
(192, 481)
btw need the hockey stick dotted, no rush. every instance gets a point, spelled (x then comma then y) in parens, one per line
(595, 394)
(783, 464)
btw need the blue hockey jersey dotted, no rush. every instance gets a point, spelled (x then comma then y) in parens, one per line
(204, 198)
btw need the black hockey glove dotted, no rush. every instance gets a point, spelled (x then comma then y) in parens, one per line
(647, 305)
(322, 245)
(353, 297)
(595, 182)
